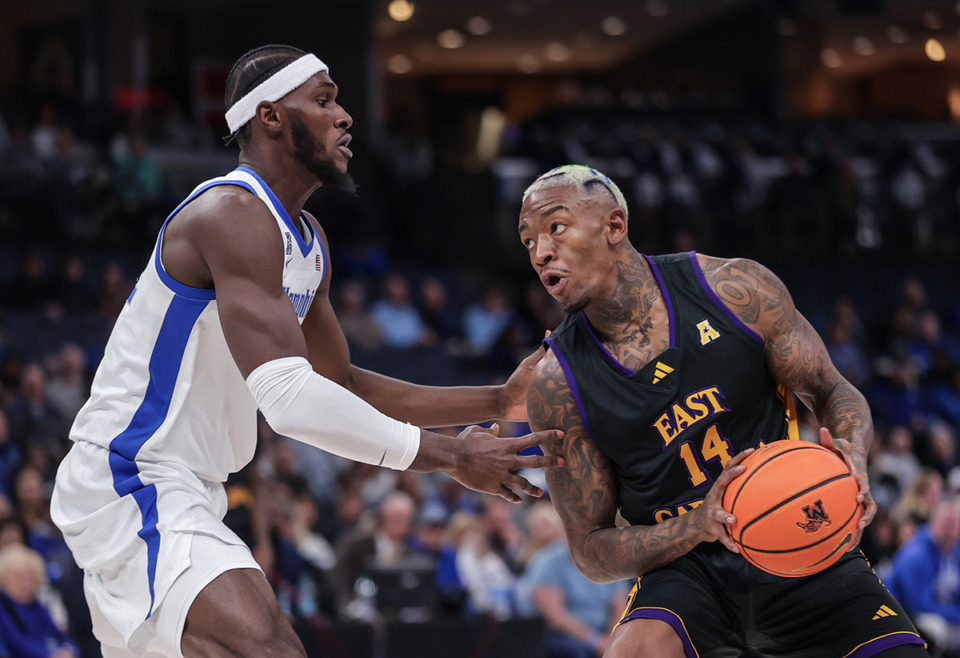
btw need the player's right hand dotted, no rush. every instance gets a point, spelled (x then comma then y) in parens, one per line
(716, 520)
(489, 464)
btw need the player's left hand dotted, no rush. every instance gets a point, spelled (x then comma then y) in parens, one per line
(857, 462)
(514, 392)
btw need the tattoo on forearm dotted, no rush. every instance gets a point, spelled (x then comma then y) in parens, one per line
(584, 491)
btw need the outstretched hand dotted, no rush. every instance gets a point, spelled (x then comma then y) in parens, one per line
(857, 463)
(489, 464)
(514, 391)
(716, 520)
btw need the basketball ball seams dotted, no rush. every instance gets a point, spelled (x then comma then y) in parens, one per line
(838, 530)
(795, 517)
(787, 501)
(785, 451)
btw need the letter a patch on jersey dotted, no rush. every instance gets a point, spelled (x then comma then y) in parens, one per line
(661, 371)
(707, 333)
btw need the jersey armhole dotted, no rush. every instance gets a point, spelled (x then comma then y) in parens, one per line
(572, 382)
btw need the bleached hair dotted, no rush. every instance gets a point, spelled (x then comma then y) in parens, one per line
(583, 177)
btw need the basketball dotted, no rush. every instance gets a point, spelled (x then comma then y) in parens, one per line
(796, 508)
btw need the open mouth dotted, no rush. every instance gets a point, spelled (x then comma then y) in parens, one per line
(343, 145)
(554, 283)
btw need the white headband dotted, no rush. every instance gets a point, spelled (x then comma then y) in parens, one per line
(273, 88)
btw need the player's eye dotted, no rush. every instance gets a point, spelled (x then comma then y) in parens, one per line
(558, 228)
(528, 243)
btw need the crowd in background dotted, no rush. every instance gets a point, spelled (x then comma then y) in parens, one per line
(77, 220)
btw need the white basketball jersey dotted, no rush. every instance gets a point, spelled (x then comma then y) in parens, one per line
(168, 389)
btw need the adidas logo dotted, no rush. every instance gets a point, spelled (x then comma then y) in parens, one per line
(884, 611)
(660, 371)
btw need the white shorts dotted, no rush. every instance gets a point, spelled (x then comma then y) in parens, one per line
(145, 555)
(160, 635)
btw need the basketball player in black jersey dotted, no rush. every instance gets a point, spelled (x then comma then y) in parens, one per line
(666, 372)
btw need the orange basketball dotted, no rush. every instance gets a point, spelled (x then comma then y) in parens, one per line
(796, 508)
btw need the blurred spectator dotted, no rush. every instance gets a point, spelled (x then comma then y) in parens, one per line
(844, 343)
(359, 326)
(398, 319)
(115, 288)
(506, 538)
(26, 626)
(578, 612)
(925, 576)
(896, 465)
(136, 177)
(917, 502)
(490, 584)
(935, 353)
(44, 136)
(942, 452)
(485, 320)
(9, 457)
(34, 419)
(73, 292)
(33, 506)
(437, 312)
(431, 540)
(67, 390)
(31, 288)
(382, 546)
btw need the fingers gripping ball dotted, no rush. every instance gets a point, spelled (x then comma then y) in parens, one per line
(796, 508)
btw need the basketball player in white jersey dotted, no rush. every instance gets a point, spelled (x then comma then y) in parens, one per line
(232, 314)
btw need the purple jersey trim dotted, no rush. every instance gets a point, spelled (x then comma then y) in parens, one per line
(549, 342)
(876, 645)
(666, 299)
(603, 350)
(719, 302)
(671, 618)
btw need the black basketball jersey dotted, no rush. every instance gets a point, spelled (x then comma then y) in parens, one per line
(671, 427)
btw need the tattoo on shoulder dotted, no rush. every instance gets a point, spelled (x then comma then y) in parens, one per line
(753, 293)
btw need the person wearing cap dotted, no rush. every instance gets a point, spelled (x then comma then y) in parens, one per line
(232, 314)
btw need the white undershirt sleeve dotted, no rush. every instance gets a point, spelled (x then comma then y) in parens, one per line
(298, 402)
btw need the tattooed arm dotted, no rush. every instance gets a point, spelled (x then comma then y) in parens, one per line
(584, 491)
(798, 359)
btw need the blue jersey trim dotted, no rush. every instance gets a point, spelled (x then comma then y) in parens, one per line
(181, 289)
(304, 246)
(178, 323)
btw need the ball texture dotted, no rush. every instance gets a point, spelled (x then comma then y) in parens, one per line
(796, 508)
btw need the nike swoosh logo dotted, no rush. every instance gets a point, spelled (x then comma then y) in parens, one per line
(380, 463)
(287, 264)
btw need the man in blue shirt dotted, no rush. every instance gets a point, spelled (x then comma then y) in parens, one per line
(579, 613)
(926, 576)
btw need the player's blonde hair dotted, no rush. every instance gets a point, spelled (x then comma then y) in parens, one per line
(581, 176)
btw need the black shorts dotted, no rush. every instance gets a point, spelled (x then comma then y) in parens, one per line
(720, 605)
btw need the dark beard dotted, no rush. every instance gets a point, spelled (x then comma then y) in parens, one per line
(309, 152)
(576, 307)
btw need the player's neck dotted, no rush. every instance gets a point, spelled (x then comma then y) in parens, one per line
(291, 183)
(627, 307)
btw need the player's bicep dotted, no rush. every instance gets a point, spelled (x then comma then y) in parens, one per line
(795, 354)
(255, 313)
(583, 489)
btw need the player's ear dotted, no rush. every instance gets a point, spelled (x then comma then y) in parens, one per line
(616, 227)
(268, 117)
